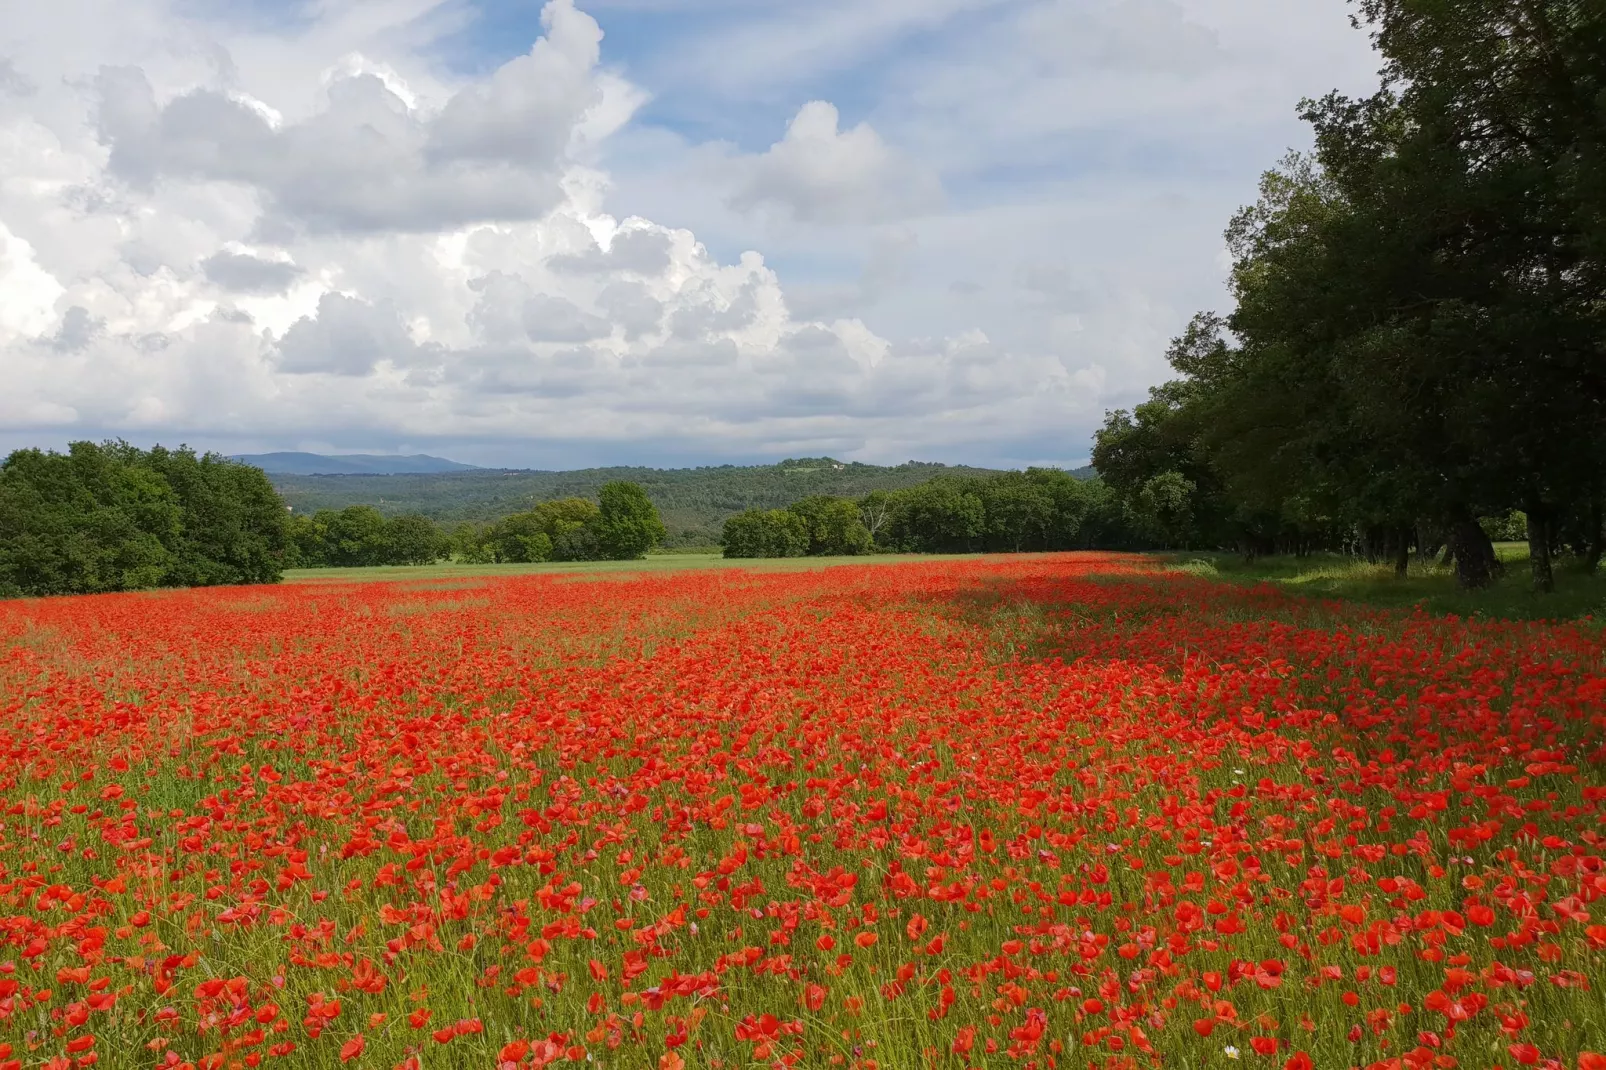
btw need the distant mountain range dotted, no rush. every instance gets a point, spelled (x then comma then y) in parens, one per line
(351, 464)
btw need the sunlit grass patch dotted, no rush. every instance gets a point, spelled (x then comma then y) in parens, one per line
(1427, 583)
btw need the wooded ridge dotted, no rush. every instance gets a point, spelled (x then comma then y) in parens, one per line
(694, 502)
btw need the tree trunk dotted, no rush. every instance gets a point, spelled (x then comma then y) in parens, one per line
(1402, 553)
(1544, 576)
(1475, 564)
(1596, 535)
(1428, 541)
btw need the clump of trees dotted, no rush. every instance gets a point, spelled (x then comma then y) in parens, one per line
(766, 533)
(819, 525)
(112, 517)
(360, 535)
(622, 525)
(1418, 342)
(1039, 509)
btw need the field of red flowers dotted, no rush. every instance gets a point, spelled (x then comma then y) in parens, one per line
(1027, 812)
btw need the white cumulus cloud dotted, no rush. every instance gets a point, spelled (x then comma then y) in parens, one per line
(819, 173)
(318, 230)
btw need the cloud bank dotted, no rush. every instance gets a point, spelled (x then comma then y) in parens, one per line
(312, 233)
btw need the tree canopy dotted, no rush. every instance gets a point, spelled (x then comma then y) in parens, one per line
(623, 526)
(1419, 326)
(1039, 509)
(112, 517)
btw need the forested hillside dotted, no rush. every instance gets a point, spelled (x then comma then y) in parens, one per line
(694, 502)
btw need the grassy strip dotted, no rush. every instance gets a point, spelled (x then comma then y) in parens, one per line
(1331, 576)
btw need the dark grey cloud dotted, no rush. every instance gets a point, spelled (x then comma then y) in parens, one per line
(347, 337)
(496, 373)
(13, 82)
(683, 354)
(632, 307)
(367, 161)
(508, 311)
(78, 328)
(708, 316)
(498, 314)
(1054, 284)
(812, 372)
(641, 251)
(361, 165)
(245, 273)
(557, 319)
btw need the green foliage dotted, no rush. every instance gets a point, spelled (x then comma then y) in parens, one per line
(570, 524)
(1039, 509)
(832, 526)
(1418, 324)
(692, 502)
(232, 527)
(356, 536)
(469, 545)
(942, 516)
(765, 533)
(623, 527)
(1165, 507)
(411, 539)
(112, 517)
(1512, 527)
(629, 524)
(521, 538)
(360, 536)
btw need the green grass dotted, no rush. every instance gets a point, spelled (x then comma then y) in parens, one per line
(667, 562)
(1331, 576)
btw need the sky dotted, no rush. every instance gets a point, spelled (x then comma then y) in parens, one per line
(575, 232)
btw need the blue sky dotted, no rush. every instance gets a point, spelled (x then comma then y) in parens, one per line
(956, 230)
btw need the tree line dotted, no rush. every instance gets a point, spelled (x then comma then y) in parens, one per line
(623, 524)
(112, 517)
(693, 502)
(1417, 347)
(1035, 510)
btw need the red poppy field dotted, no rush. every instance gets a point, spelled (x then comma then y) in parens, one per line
(1049, 811)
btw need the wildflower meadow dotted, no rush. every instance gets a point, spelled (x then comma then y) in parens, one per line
(1039, 812)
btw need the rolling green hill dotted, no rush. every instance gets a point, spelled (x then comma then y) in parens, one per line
(694, 501)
